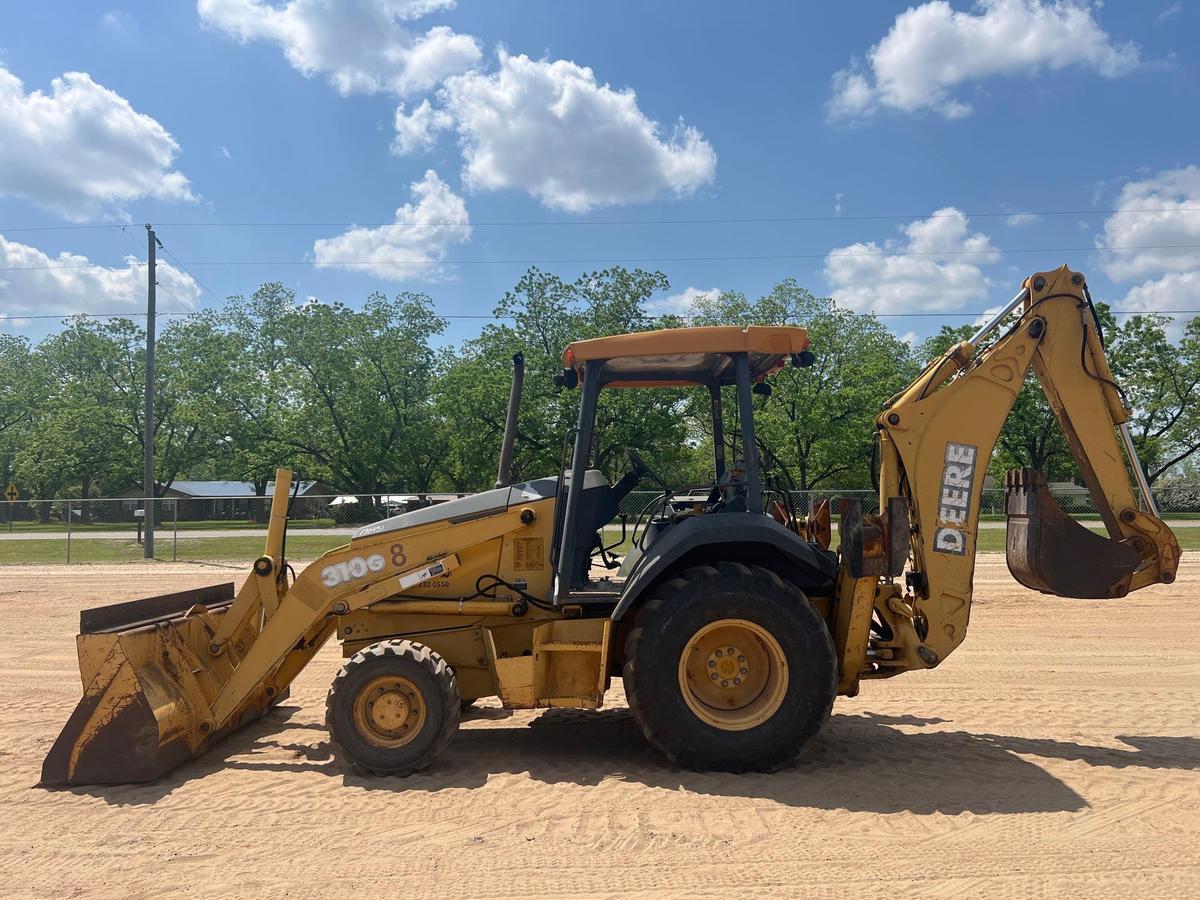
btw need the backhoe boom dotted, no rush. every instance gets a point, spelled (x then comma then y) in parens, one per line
(937, 437)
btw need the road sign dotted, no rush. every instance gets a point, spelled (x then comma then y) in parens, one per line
(11, 492)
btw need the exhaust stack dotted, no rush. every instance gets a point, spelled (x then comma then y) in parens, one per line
(504, 473)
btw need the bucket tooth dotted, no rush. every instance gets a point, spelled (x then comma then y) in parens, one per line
(147, 684)
(1050, 552)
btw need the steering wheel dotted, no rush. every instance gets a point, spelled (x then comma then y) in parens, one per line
(640, 468)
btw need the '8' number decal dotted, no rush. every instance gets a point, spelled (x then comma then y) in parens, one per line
(398, 557)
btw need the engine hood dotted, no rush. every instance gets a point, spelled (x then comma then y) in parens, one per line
(485, 503)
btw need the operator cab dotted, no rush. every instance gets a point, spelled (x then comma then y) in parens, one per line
(712, 358)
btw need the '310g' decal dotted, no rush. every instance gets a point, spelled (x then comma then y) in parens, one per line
(351, 569)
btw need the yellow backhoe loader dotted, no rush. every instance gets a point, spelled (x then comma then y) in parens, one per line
(732, 623)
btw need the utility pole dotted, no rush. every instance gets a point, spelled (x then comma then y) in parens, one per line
(148, 417)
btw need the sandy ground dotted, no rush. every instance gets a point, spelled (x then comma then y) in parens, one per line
(1055, 754)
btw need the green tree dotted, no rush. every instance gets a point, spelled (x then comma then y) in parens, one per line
(89, 428)
(346, 393)
(249, 389)
(23, 390)
(1162, 383)
(540, 316)
(818, 421)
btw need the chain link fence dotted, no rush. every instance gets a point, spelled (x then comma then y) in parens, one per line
(1178, 498)
(233, 528)
(186, 528)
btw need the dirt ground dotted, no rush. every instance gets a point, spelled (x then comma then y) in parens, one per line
(1055, 754)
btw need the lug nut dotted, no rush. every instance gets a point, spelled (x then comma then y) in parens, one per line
(745, 671)
(714, 676)
(724, 682)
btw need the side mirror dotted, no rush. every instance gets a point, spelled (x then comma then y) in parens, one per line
(803, 359)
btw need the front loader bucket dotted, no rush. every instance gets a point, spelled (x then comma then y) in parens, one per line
(147, 680)
(1050, 552)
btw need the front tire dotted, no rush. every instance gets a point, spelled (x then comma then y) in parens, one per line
(730, 668)
(393, 708)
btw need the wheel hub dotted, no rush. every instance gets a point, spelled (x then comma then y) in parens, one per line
(728, 666)
(389, 711)
(733, 674)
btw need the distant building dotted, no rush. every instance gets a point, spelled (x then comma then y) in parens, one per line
(347, 510)
(226, 500)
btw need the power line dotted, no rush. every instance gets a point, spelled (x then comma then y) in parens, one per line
(170, 293)
(178, 302)
(190, 275)
(730, 220)
(90, 315)
(881, 254)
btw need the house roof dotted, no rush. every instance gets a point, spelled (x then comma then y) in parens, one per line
(231, 488)
(216, 489)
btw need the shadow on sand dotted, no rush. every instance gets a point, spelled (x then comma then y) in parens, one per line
(859, 763)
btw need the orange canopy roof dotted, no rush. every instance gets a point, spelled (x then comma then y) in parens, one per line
(685, 356)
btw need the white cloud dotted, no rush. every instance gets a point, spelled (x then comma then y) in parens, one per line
(223, 152)
(931, 50)
(117, 20)
(1175, 290)
(680, 304)
(1169, 12)
(1161, 216)
(941, 270)
(62, 285)
(551, 130)
(81, 151)
(1021, 219)
(418, 130)
(409, 248)
(362, 46)
(1152, 214)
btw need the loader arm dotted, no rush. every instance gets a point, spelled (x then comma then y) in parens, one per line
(936, 439)
(166, 677)
(365, 571)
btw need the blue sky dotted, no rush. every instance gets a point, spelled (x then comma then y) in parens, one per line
(922, 139)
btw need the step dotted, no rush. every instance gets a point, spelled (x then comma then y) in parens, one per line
(577, 646)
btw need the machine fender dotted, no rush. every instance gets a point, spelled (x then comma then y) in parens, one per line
(727, 535)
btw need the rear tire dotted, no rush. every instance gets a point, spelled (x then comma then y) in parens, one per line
(752, 710)
(393, 708)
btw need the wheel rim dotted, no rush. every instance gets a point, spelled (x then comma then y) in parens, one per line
(733, 674)
(389, 711)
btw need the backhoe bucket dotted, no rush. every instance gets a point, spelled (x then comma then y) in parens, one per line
(1050, 552)
(147, 681)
